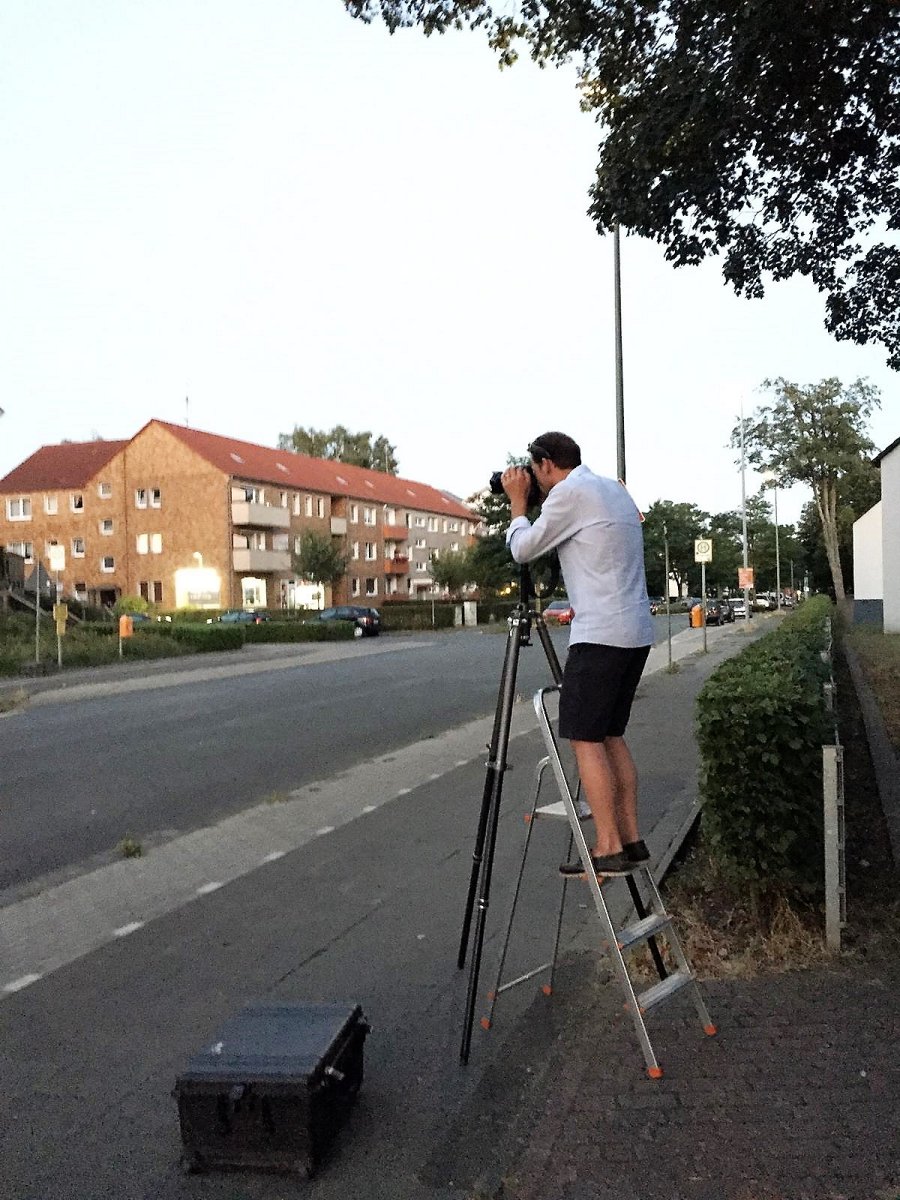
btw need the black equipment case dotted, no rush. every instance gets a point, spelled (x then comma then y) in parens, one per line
(272, 1087)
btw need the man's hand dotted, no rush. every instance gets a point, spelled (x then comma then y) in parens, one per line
(516, 483)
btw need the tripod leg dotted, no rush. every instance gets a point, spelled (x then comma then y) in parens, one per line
(490, 816)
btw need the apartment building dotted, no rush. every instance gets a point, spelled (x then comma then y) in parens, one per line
(183, 517)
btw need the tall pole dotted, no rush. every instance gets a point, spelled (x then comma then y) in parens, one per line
(620, 388)
(744, 520)
(777, 554)
(668, 592)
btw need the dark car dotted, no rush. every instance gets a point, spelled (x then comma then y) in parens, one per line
(240, 616)
(560, 611)
(718, 612)
(366, 621)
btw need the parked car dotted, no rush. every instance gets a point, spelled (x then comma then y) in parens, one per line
(366, 621)
(140, 618)
(657, 605)
(738, 608)
(559, 611)
(240, 616)
(718, 612)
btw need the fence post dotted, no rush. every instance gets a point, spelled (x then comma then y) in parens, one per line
(833, 813)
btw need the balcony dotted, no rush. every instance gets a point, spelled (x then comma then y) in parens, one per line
(262, 560)
(338, 526)
(259, 516)
(396, 566)
(395, 533)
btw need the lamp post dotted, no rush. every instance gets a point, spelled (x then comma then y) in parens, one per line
(744, 523)
(772, 478)
(620, 387)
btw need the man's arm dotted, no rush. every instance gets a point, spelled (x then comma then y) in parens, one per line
(556, 523)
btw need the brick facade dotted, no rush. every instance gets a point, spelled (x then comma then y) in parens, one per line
(154, 515)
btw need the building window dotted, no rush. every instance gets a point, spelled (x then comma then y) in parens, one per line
(26, 549)
(368, 516)
(76, 500)
(280, 541)
(320, 506)
(157, 591)
(296, 504)
(354, 586)
(354, 550)
(390, 516)
(156, 543)
(371, 587)
(253, 495)
(78, 547)
(80, 590)
(19, 508)
(454, 546)
(106, 526)
(420, 543)
(420, 522)
(107, 563)
(51, 505)
(420, 566)
(454, 526)
(144, 589)
(307, 504)
(371, 551)
(298, 543)
(142, 544)
(283, 499)
(155, 498)
(104, 490)
(432, 524)
(140, 497)
(354, 514)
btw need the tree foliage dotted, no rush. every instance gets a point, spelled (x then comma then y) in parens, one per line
(340, 444)
(683, 523)
(452, 570)
(767, 133)
(814, 435)
(318, 559)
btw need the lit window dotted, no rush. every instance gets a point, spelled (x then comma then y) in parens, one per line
(143, 543)
(156, 543)
(76, 500)
(140, 497)
(51, 506)
(104, 490)
(106, 526)
(108, 563)
(78, 547)
(19, 508)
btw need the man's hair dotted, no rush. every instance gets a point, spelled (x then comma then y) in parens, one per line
(559, 448)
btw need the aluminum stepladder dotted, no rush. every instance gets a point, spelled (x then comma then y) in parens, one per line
(652, 920)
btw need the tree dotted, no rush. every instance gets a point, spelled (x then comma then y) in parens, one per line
(814, 435)
(768, 134)
(453, 570)
(339, 443)
(684, 523)
(318, 559)
(860, 489)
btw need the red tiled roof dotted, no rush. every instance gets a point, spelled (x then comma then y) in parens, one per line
(245, 460)
(68, 465)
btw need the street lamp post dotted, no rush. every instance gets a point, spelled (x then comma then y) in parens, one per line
(620, 387)
(744, 523)
(772, 478)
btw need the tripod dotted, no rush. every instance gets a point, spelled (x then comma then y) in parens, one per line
(520, 625)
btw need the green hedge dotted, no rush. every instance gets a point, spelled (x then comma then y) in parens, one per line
(209, 637)
(761, 725)
(417, 615)
(294, 631)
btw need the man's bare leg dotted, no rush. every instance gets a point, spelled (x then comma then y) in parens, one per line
(626, 788)
(599, 788)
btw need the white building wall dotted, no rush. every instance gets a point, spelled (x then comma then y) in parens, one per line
(868, 577)
(890, 539)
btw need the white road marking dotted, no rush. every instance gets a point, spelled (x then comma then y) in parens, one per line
(124, 930)
(207, 888)
(23, 981)
(369, 808)
(325, 829)
(274, 855)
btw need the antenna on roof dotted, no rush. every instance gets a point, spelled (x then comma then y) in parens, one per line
(187, 415)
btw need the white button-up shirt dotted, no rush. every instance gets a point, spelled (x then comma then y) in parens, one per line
(595, 527)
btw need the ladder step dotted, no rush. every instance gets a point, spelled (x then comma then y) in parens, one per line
(664, 989)
(557, 811)
(640, 931)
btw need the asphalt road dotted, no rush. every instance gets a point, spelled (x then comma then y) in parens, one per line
(152, 765)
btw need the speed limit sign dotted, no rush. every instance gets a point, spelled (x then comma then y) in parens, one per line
(702, 550)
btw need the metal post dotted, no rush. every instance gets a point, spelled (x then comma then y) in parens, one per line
(620, 388)
(58, 634)
(744, 520)
(37, 608)
(777, 553)
(668, 591)
(835, 886)
(703, 602)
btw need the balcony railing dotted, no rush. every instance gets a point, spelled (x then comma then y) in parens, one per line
(396, 566)
(338, 526)
(259, 516)
(262, 560)
(396, 533)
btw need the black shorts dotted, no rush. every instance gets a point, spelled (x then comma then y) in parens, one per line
(598, 689)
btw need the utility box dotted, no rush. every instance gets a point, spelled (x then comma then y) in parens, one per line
(697, 616)
(271, 1088)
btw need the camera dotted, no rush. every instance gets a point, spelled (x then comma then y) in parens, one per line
(535, 495)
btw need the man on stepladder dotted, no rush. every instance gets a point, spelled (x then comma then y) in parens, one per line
(595, 527)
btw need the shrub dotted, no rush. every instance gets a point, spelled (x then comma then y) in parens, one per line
(494, 610)
(209, 637)
(294, 631)
(761, 724)
(417, 615)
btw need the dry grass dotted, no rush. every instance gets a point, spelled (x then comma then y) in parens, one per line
(879, 654)
(13, 701)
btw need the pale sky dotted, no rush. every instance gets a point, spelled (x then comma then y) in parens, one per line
(292, 218)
